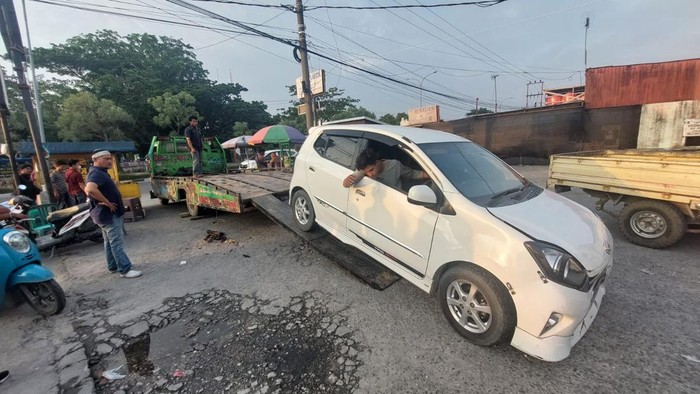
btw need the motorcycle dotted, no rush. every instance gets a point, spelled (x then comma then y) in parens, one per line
(23, 277)
(50, 229)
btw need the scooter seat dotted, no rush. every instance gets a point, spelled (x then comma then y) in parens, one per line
(61, 214)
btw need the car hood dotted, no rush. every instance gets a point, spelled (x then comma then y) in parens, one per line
(552, 218)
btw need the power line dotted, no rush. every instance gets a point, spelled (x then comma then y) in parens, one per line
(483, 3)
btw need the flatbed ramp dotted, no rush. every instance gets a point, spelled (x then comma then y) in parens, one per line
(365, 268)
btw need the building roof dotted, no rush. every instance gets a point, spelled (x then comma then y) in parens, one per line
(57, 148)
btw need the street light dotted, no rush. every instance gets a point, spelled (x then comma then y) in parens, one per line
(500, 104)
(421, 86)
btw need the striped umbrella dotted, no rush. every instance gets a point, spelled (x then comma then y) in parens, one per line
(277, 134)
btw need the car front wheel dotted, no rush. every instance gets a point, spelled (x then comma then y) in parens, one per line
(477, 305)
(304, 215)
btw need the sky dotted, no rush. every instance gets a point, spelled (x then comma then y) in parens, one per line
(453, 53)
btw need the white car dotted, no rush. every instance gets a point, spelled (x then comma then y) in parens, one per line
(509, 261)
(252, 165)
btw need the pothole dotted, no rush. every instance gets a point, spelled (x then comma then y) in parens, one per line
(217, 341)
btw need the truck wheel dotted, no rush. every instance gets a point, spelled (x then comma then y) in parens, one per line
(304, 215)
(193, 208)
(477, 305)
(650, 223)
(46, 298)
(164, 201)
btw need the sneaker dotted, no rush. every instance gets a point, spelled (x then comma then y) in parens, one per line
(132, 274)
(4, 375)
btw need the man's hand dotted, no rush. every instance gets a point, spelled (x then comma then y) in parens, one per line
(193, 150)
(349, 181)
(112, 206)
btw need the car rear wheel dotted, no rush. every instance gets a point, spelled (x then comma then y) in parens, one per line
(304, 215)
(477, 305)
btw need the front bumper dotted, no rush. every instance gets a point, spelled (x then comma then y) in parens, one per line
(556, 348)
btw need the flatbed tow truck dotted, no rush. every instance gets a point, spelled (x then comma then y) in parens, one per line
(243, 191)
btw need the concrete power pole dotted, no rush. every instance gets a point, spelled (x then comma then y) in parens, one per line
(495, 93)
(4, 111)
(13, 42)
(306, 83)
(585, 44)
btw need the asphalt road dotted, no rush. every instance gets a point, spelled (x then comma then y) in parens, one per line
(645, 338)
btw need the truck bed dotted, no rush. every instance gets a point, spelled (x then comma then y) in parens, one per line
(225, 192)
(669, 175)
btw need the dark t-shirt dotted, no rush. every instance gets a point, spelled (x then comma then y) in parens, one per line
(193, 134)
(101, 214)
(260, 161)
(32, 191)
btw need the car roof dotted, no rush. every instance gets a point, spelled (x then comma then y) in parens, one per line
(415, 134)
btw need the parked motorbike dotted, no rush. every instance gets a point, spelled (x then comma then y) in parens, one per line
(63, 227)
(22, 276)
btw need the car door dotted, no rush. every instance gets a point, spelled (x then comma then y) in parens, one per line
(332, 161)
(382, 219)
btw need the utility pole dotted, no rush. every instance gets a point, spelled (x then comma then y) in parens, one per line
(13, 42)
(421, 86)
(495, 93)
(477, 106)
(37, 98)
(305, 83)
(4, 112)
(585, 44)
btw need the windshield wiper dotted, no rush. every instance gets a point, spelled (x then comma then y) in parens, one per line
(506, 192)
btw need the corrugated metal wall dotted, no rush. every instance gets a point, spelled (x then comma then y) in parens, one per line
(639, 84)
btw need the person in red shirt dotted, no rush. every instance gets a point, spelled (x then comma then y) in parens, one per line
(76, 183)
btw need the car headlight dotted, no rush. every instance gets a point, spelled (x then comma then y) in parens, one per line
(557, 265)
(17, 241)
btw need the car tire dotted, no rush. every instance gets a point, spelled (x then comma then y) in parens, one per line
(650, 223)
(490, 317)
(303, 209)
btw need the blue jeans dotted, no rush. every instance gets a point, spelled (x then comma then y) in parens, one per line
(113, 234)
(197, 162)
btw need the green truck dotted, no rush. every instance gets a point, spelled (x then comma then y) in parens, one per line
(171, 178)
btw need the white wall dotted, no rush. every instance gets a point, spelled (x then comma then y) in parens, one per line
(661, 125)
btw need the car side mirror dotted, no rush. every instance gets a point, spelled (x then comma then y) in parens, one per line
(422, 195)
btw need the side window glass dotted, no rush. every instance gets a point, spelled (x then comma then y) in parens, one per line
(400, 171)
(339, 149)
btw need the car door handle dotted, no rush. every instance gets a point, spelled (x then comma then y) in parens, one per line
(360, 192)
(312, 169)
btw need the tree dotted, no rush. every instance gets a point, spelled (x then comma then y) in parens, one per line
(481, 110)
(131, 69)
(240, 128)
(333, 106)
(353, 112)
(86, 118)
(395, 120)
(173, 110)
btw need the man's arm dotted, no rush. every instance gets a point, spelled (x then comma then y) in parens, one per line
(188, 134)
(410, 173)
(92, 190)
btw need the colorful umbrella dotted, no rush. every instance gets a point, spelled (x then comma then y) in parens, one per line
(237, 142)
(277, 134)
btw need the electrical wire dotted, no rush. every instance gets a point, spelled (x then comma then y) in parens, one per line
(482, 3)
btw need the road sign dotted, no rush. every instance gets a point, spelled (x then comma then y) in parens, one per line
(422, 115)
(318, 83)
(301, 109)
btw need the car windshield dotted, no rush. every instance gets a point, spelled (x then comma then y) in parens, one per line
(477, 173)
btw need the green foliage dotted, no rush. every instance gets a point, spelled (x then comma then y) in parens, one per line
(240, 128)
(131, 69)
(353, 112)
(395, 120)
(481, 110)
(173, 110)
(334, 105)
(84, 117)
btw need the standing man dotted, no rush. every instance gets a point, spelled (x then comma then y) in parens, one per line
(76, 183)
(31, 190)
(60, 187)
(106, 210)
(194, 142)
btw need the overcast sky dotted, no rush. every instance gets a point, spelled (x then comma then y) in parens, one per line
(518, 40)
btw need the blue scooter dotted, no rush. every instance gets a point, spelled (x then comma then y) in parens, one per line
(23, 277)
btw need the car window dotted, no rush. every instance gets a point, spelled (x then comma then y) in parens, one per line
(400, 170)
(477, 173)
(337, 148)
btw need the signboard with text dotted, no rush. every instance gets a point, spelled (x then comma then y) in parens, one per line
(422, 115)
(691, 128)
(318, 83)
